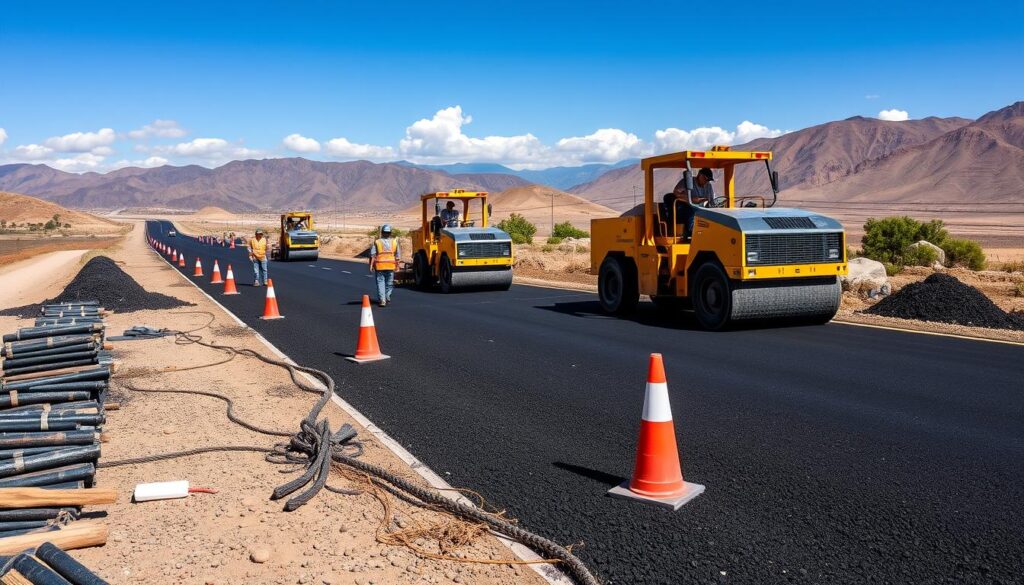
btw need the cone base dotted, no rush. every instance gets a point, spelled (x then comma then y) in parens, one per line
(692, 490)
(216, 282)
(234, 293)
(268, 318)
(368, 359)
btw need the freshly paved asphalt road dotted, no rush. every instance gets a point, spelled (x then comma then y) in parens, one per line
(831, 454)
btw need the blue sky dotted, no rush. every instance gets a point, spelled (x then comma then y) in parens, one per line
(531, 84)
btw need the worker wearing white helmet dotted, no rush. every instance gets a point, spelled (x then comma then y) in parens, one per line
(384, 259)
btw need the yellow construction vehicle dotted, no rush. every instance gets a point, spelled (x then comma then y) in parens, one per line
(742, 259)
(298, 239)
(459, 253)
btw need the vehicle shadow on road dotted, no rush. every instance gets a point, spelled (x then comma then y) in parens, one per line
(608, 479)
(645, 314)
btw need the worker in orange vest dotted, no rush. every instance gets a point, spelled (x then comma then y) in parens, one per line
(258, 257)
(384, 258)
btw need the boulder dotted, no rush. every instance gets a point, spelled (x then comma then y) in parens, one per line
(940, 254)
(865, 276)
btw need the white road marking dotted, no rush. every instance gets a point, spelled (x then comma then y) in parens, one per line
(347, 271)
(324, 268)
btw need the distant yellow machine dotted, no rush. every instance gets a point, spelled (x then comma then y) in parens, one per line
(745, 259)
(298, 239)
(462, 254)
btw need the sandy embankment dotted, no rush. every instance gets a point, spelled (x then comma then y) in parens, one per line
(209, 538)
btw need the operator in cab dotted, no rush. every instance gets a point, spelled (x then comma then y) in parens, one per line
(450, 215)
(703, 193)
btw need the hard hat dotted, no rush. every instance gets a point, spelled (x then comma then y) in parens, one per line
(259, 232)
(385, 229)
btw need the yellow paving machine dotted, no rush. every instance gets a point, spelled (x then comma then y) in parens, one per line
(743, 258)
(298, 239)
(462, 250)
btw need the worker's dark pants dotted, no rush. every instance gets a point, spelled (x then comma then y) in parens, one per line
(385, 284)
(686, 213)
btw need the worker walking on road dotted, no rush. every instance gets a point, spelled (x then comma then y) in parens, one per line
(258, 256)
(384, 258)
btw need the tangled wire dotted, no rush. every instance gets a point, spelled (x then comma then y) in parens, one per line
(315, 448)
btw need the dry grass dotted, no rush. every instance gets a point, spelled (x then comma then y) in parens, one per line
(45, 247)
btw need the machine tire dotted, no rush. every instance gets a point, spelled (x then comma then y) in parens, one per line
(617, 286)
(284, 253)
(421, 271)
(444, 273)
(712, 297)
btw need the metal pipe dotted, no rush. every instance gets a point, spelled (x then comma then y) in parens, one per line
(68, 387)
(49, 460)
(16, 425)
(91, 345)
(30, 396)
(23, 440)
(67, 485)
(10, 363)
(77, 405)
(64, 564)
(16, 348)
(65, 321)
(12, 453)
(18, 514)
(100, 373)
(6, 525)
(85, 303)
(38, 332)
(35, 530)
(53, 366)
(49, 418)
(48, 477)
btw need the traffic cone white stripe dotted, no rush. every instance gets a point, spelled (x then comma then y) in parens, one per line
(656, 405)
(366, 318)
(270, 293)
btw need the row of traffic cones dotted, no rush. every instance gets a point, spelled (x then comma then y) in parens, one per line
(657, 474)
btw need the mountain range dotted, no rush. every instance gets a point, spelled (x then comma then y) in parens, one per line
(941, 160)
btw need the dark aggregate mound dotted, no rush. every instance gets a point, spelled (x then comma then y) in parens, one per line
(944, 299)
(103, 280)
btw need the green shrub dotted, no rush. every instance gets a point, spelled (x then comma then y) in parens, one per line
(395, 232)
(1015, 266)
(1018, 289)
(892, 269)
(519, 228)
(554, 240)
(889, 239)
(567, 230)
(547, 248)
(920, 256)
(965, 253)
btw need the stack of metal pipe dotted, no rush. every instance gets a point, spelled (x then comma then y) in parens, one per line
(46, 564)
(55, 376)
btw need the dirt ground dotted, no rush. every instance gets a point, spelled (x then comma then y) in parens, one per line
(214, 538)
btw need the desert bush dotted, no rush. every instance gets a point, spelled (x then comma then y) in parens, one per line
(1018, 289)
(547, 248)
(519, 228)
(934, 231)
(395, 232)
(554, 240)
(887, 239)
(892, 269)
(567, 230)
(965, 253)
(920, 256)
(1014, 266)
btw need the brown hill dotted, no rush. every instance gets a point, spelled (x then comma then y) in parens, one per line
(22, 209)
(806, 158)
(980, 162)
(246, 185)
(211, 212)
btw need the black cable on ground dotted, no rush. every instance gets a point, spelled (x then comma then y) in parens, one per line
(315, 448)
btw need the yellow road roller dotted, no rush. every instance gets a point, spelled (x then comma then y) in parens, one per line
(728, 258)
(455, 247)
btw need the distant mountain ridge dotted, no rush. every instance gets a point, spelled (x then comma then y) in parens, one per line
(557, 177)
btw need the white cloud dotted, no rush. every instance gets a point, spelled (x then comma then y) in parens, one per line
(153, 161)
(299, 143)
(85, 161)
(342, 148)
(32, 152)
(440, 139)
(872, 96)
(158, 129)
(201, 147)
(3, 136)
(674, 139)
(81, 141)
(894, 115)
(604, 145)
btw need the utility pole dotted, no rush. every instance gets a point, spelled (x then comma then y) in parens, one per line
(634, 195)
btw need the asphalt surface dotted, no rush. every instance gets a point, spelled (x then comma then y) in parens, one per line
(831, 454)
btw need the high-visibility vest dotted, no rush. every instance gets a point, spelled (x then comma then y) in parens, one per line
(385, 259)
(258, 248)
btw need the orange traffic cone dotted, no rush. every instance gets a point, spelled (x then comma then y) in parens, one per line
(657, 477)
(229, 284)
(181, 260)
(367, 350)
(270, 307)
(174, 256)
(216, 279)
(199, 268)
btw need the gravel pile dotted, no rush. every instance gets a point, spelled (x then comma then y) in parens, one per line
(103, 280)
(944, 299)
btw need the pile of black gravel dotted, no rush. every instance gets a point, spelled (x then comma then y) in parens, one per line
(944, 299)
(103, 280)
